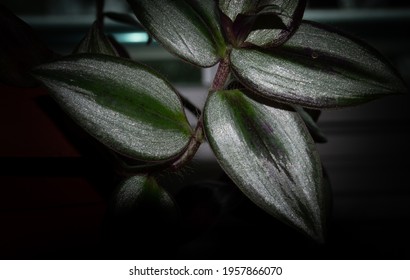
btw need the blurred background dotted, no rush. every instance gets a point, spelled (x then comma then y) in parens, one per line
(54, 194)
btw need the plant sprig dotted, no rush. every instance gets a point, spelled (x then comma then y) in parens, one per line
(272, 65)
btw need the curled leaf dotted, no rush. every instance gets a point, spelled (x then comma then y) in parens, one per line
(263, 23)
(317, 68)
(270, 155)
(123, 104)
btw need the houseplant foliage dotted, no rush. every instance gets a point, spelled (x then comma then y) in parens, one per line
(273, 69)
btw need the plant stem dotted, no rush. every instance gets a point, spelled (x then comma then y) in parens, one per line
(100, 12)
(196, 139)
(221, 75)
(191, 106)
(219, 81)
(193, 146)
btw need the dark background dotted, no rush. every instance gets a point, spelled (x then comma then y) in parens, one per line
(56, 183)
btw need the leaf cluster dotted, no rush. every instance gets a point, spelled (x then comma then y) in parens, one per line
(276, 72)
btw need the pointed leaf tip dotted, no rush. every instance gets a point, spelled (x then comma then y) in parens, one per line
(121, 103)
(317, 68)
(270, 155)
(95, 41)
(142, 193)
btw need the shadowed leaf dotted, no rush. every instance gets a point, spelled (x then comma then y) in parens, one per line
(123, 18)
(143, 196)
(312, 126)
(95, 41)
(20, 50)
(270, 155)
(125, 105)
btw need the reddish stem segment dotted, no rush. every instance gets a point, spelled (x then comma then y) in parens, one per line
(221, 75)
(196, 139)
(193, 146)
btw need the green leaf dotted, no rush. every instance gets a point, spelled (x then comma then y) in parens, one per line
(143, 196)
(317, 68)
(178, 26)
(125, 105)
(20, 50)
(264, 23)
(270, 155)
(95, 41)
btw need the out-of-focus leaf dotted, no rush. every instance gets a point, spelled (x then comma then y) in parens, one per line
(120, 49)
(264, 23)
(123, 18)
(317, 68)
(270, 155)
(314, 114)
(312, 126)
(20, 50)
(179, 28)
(144, 219)
(125, 105)
(143, 194)
(95, 41)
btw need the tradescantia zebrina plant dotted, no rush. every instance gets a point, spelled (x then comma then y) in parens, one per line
(272, 65)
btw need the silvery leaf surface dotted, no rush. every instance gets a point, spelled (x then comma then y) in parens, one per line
(268, 152)
(178, 26)
(123, 104)
(209, 13)
(317, 68)
(291, 13)
(95, 41)
(232, 8)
